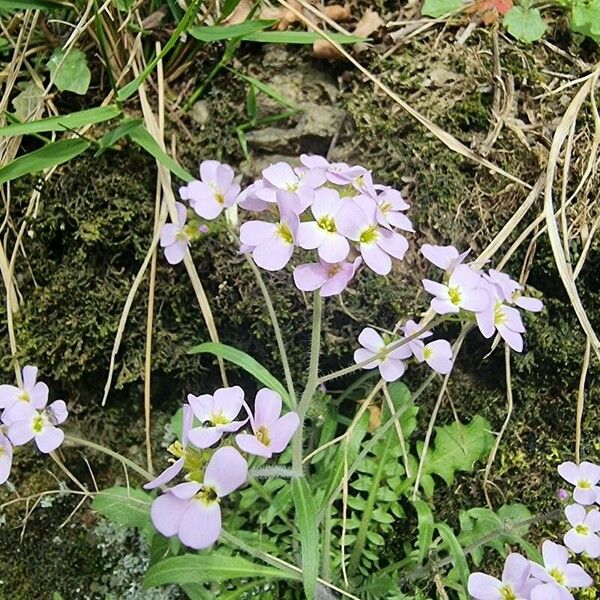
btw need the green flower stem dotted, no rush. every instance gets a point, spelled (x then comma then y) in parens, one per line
(398, 344)
(125, 461)
(311, 383)
(276, 330)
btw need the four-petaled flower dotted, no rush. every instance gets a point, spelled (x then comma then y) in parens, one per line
(32, 393)
(27, 423)
(463, 290)
(444, 257)
(192, 510)
(323, 233)
(215, 191)
(216, 414)
(585, 478)
(409, 329)
(515, 583)
(583, 535)
(558, 571)
(175, 238)
(329, 279)
(377, 352)
(271, 432)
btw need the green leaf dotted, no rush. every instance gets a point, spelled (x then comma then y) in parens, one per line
(300, 37)
(306, 520)
(456, 447)
(177, 423)
(63, 122)
(56, 596)
(426, 526)
(141, 136)
(110, 138)
(196, 591)
(456, 552)
(212, 567)
(12, 5)
(27, 101)
(216, 33)
(69, 71)
(440, 8)
(50, 155)
(585, 18)
(525, 24)
(127, 507)
(228, 7)
(246, 362)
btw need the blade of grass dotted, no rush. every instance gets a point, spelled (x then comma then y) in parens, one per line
(215, 33)
(50, 155)
(67, 122)
(299, 37)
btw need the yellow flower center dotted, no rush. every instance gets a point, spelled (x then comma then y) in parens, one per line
(385, 207)
(507, 593)
(455, 295)
(369, 235)
(582, 529)
(2, 451)
(220, 419)
(292, 187)
(38, 424)
(558, 575)
(285, 233)
(584, 484)
(208, 495)
(499, 316)
(262, 435)
(23, 396)
(220, 198)
(327, 223)
(427, 353)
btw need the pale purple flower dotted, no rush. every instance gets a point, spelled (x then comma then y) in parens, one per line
(216, 414)
(175, 238)
(437, 354)
(562, 495)
(510, 290)
(558, 571)
(248, 200)
(329, 279)
(582, 537)
(300, 182)
(32, 392)
(273, 243)
(389, 361)
(584, 477)
(271, 432)
(176, 467)
(377, 244)
(6, 455)
(27, 423)
(410, 328)
(339, 173)
(464, 290)
(444, 257)
(215, 191)
(515, 583)
(500, 317)
(191, 510)
(550, 591)
(323, 234)
(390, 207)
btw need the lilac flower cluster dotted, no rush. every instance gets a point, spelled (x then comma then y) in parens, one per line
(526, 580)
(490, 298)
(334, 209)
(191, 510)
(208, 197)
(25, 416)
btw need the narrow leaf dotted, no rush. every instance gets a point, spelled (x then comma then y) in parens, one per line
(200, 568)
(13, 5)
(246, 362)
(63, 122)
(141, 136)
(426, 526)
(110, 138)
(266, 89)
(306, 520)
(216, 33)
(456, 552)
(48, 156)
(300, 37)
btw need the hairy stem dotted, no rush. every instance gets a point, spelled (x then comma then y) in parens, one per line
(311, 383)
